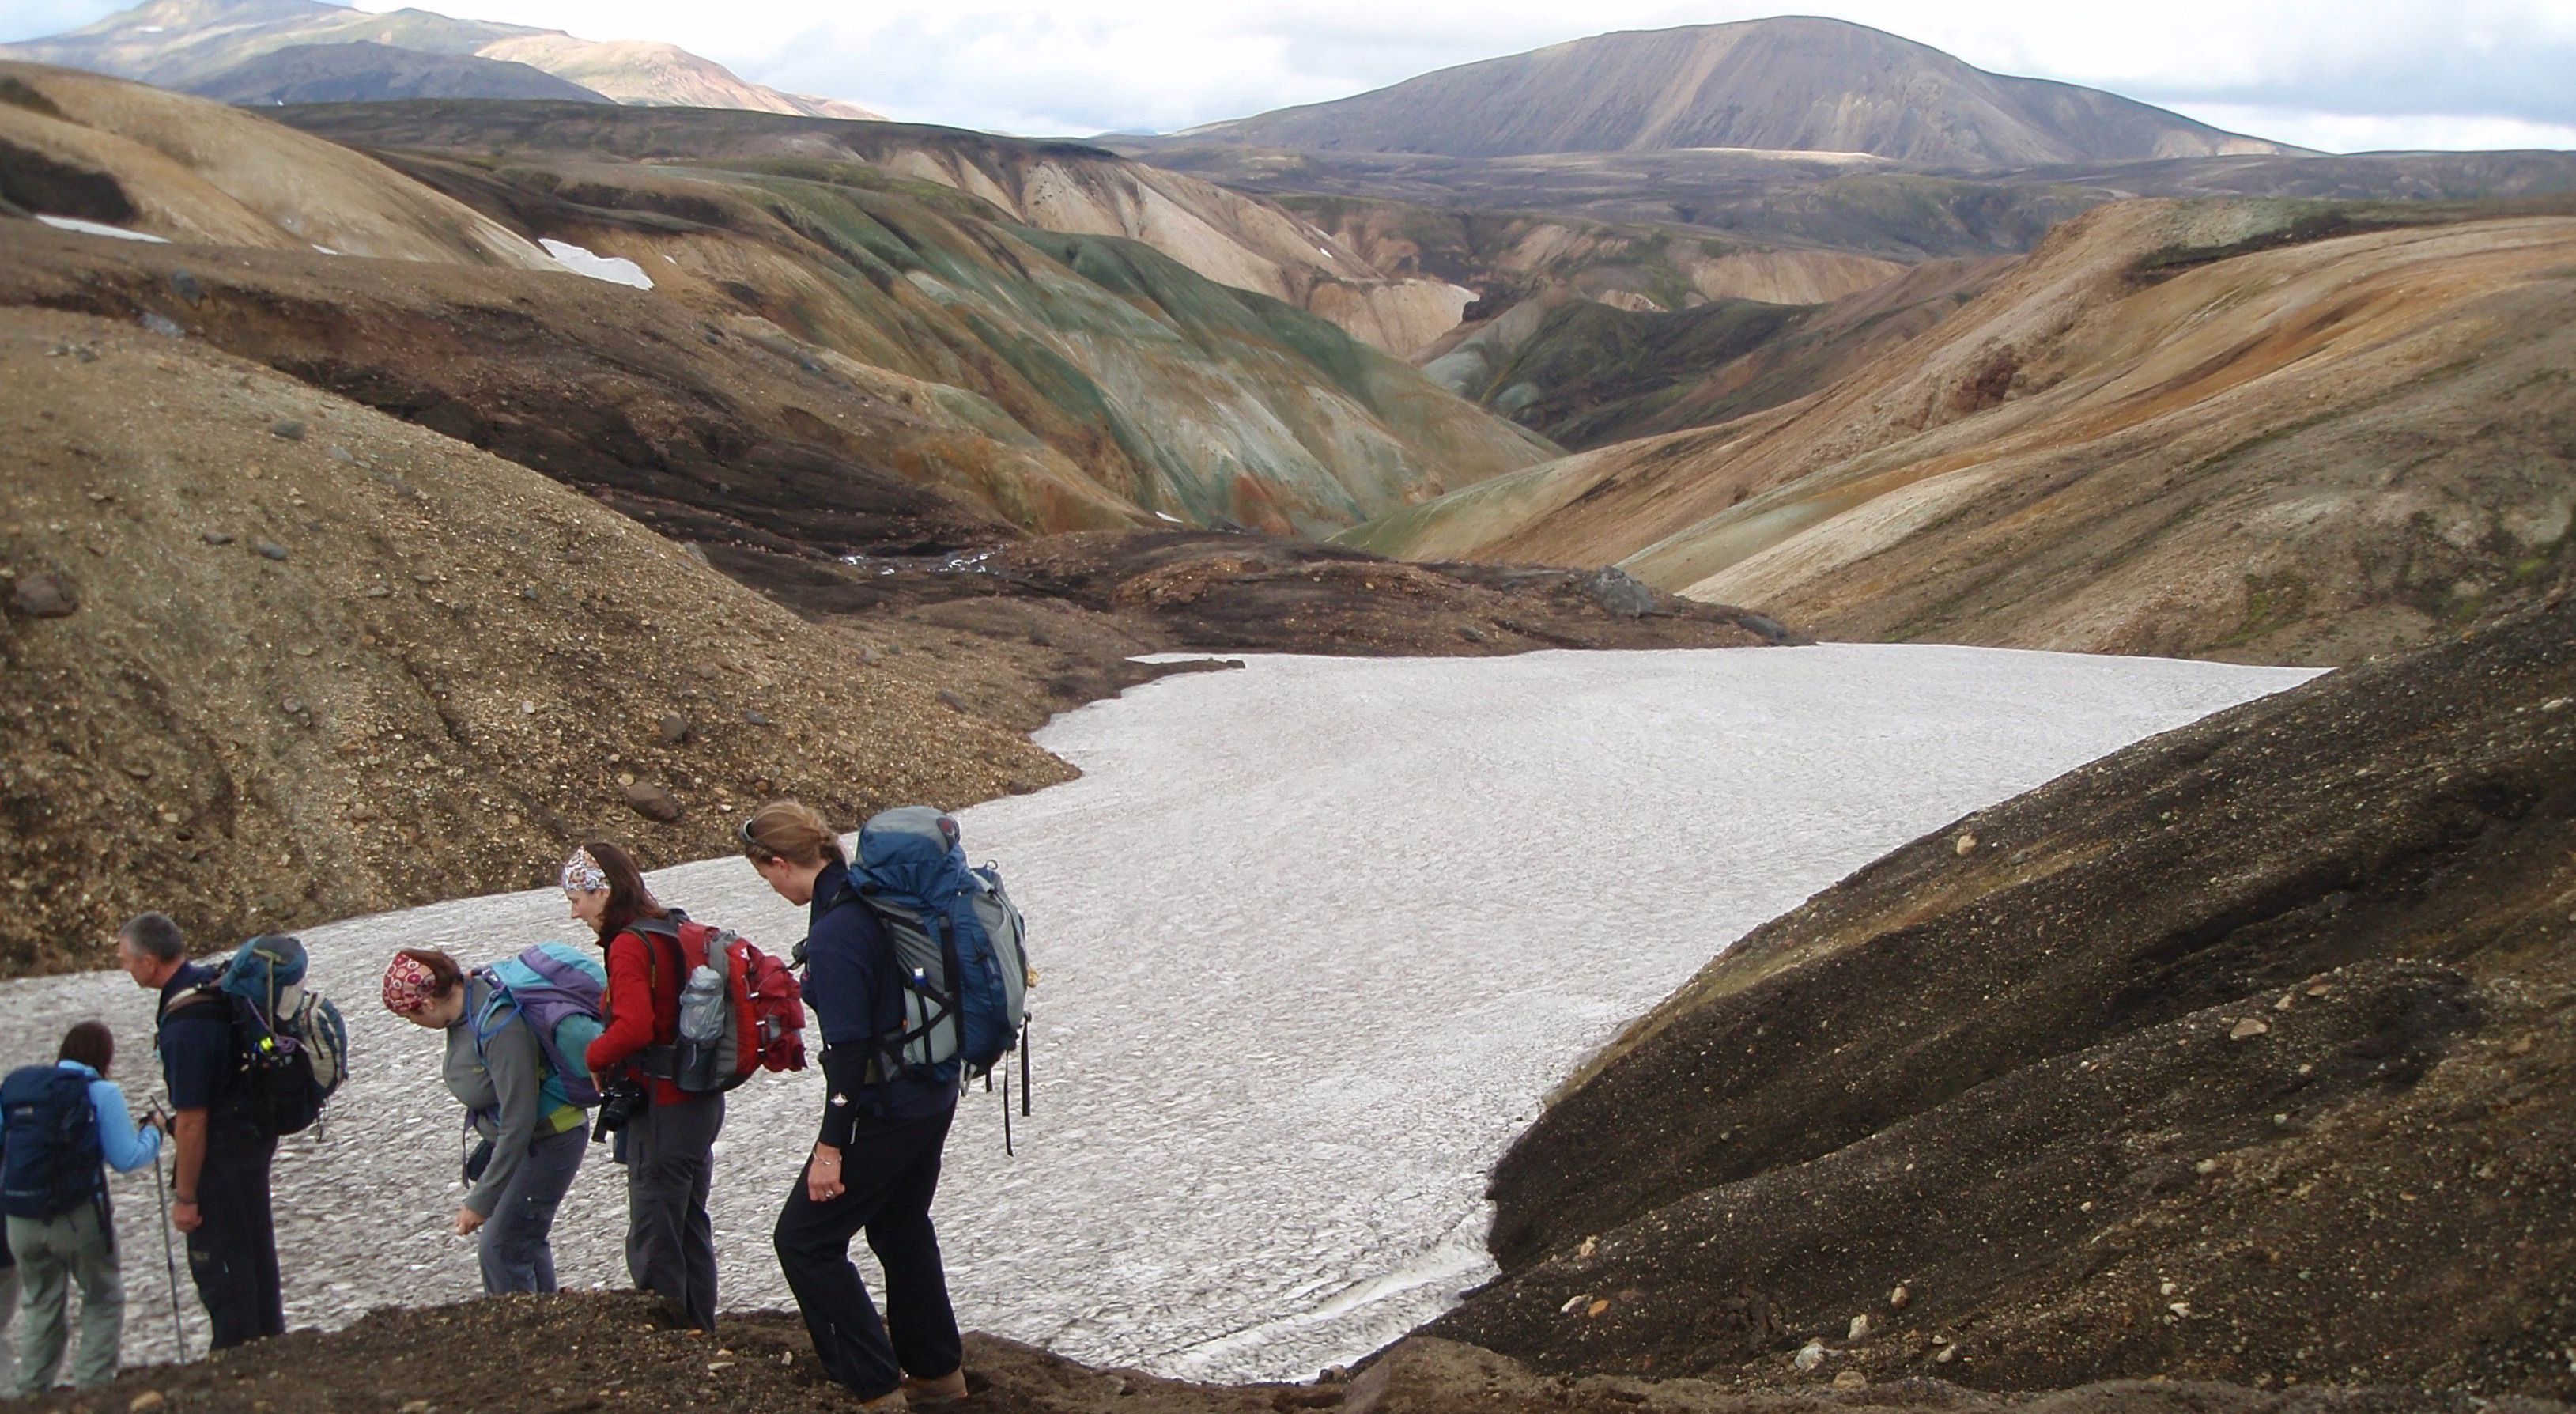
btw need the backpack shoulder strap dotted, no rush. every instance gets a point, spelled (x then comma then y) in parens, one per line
(489, 1020)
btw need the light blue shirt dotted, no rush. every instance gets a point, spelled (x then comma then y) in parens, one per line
(125, 1147)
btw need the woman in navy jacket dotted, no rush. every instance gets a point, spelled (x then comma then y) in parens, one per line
(875, 1165)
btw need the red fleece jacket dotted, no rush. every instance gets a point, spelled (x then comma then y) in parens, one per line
(640, 1013)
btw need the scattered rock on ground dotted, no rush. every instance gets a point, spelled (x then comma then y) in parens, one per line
(45, 595)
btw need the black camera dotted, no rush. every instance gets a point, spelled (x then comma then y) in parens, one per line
(478, 1161)
(617, 1110)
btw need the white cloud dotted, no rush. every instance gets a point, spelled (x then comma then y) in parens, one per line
(2407, 73)
(2365, 132)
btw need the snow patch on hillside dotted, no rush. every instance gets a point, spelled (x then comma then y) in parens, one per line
(616, 270)
(96, 228)
(1315, 938)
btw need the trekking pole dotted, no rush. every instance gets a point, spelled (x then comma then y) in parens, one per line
(170, 1256)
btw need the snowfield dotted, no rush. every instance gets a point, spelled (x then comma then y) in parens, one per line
(1314, 937)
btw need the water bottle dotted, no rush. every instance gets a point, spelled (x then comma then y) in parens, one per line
(700, 1063)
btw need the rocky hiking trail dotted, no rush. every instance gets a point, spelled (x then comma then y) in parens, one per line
(595, 1352)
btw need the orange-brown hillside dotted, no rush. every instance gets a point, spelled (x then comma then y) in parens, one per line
(2242, 429)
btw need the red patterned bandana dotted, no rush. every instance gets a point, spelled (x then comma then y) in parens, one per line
(409, 987)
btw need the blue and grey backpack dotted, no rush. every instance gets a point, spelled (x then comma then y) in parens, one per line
(960, 945)
(291, 1050)
(51, 1133)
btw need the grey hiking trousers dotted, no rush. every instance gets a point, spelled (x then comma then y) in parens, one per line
(8, 1311)
(670, 1243)
(514, 1248)
(53, 1254)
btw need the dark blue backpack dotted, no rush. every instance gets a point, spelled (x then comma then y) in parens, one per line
(960, 945)
(51, 1132)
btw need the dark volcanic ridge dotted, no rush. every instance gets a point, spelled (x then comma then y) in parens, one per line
(366, 73)
(2243, 1054)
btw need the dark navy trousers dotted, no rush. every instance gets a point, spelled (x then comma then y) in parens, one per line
(889, 1173)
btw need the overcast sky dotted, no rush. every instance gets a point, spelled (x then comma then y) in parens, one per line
(2342, 75)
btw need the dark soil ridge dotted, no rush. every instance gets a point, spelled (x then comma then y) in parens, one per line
(596, 1351)
(2241, 1055)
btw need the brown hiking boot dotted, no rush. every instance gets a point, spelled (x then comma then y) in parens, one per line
(946, 1389)
(890, 1402)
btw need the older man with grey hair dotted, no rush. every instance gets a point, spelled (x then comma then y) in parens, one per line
(220, 1193)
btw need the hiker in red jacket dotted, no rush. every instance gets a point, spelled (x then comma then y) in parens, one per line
(668, 1142)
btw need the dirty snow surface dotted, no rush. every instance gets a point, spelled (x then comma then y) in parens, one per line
(1315, 937)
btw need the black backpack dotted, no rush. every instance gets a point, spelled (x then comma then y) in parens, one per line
(51, 1133)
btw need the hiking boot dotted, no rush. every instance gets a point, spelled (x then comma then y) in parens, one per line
(946, 1389)
(890, 1402)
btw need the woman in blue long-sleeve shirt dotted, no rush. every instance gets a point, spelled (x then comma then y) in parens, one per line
(79, 1244)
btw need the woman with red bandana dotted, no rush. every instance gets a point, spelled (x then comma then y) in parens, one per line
(668, 1146)
(533, 1136)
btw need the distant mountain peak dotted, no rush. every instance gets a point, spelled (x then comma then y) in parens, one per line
(204, 45)
(1797, 83)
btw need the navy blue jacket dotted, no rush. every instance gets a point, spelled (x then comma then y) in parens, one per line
(850, 983)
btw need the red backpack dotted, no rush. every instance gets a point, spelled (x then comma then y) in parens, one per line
(740, 1010)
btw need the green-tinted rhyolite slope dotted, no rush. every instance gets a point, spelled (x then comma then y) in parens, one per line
(1173, 393)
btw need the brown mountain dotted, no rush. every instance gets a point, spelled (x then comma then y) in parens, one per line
(180, 43)
(2262, 430)
(818, 332)
(1069, 187)
(368, 73)
(1803, 84)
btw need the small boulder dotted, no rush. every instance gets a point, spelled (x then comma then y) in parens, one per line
(45, 595)
(185, 286)
(160, 324)
(651, 801)
(755, 716)
(1769, 629)
(287, 428)
(952, 701)
(1619, 592)
(1809, 1356)
(216, 537)
(675, 729)
(270, 550)
(2248, 1029)
(1851, 1379)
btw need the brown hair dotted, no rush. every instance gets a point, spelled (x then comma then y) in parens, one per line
(444, 974)
(790, 830)
(628, 899)
(90, 1043)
